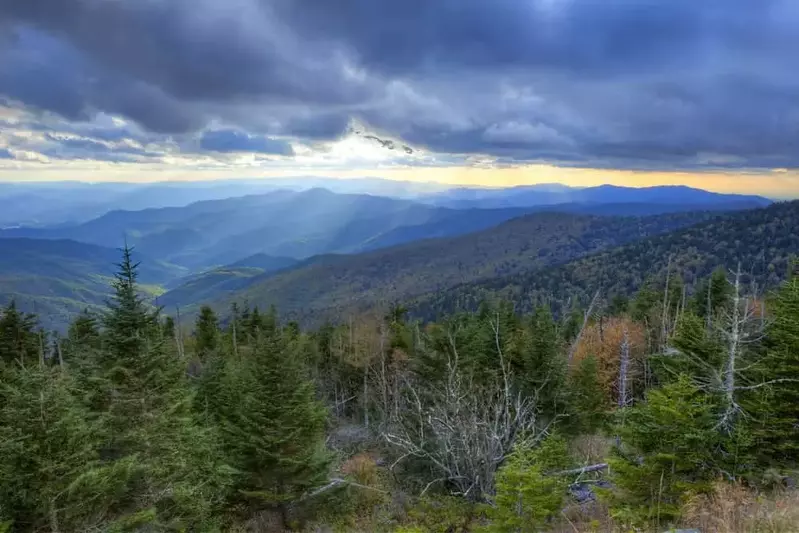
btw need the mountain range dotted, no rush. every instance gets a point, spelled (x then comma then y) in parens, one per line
(66, 203)
(328, 286)
(312, 251)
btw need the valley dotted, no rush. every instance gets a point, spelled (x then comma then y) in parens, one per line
(315, 253)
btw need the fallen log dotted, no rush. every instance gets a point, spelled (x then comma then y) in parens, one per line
(582, 470)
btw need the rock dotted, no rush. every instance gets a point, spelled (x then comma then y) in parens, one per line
(584, 492)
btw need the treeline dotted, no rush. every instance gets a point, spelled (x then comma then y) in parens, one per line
(132, 422)
(762, 240)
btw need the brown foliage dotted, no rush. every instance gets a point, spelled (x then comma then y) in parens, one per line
(603, 339)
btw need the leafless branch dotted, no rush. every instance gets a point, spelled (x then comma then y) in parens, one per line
(586, 317)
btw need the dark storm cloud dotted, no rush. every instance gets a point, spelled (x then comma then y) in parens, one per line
(238, 141)
(678, 83)
(81, 148)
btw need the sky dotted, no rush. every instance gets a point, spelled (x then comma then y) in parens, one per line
(491, 92)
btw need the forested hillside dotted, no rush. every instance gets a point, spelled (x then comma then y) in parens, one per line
(59, 278)
(631, 415)
(330, 286)
(212, 284)
(762, 240)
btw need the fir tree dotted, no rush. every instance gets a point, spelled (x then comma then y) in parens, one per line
(711, 296)
(48, 447)
(129, 324)
(169, 327)
(274, 425)
(206, 332)
(526, 497)
(19, 341)
(167, 462)
(589, 404)
(669, 452)
(775, 405)
(543, 365)
(83, 334)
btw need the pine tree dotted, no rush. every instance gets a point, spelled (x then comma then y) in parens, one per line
(48, 447)
(775, 406)
(542, 364)
(167, 463)
(274, 425)
(670, 450)
(526, 497)
(206, 332)
(19, 341)
(589, 403)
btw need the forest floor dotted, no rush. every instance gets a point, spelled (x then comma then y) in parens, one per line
(376, 503)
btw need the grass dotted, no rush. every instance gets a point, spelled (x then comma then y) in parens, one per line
(733, 508)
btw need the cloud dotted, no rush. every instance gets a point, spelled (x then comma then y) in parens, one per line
(60, 147)
(613, 84)
(238, 141)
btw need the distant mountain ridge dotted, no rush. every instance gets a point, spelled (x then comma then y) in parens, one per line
(549, 194)
(325, 286)
(762, 240)
(208, 250)
(43, 204)
(287, 223)
(216, 232)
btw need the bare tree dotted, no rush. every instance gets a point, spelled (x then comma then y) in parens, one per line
(624, 365)
(462, 430)
(588, 313)
(738, 325)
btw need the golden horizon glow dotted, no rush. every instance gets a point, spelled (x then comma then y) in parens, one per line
(354, 156)
(775, 183)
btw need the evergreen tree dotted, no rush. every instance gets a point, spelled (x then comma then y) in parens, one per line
(206, 332)
(542, 369)
(698, 352)
(253, 324)
(83, 334)
(526, 496)
(775, 406)
(167, 463)
(589, 404)
(269, 322)
(619, 305)
(48, 451)
(670, 449)
(169, 327)
(210, 350)
(129, 325)
(711, 296)
(19, 341)
(274, 425)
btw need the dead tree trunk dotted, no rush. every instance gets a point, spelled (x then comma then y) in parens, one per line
(586, 317)
(624, 364)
